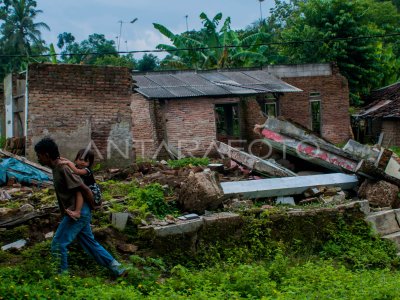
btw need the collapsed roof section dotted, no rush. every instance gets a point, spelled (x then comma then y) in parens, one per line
(385, 103)
(209, 83)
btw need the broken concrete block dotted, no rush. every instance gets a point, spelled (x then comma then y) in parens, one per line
(363, 206)
(16, 245)
(200, 192)
(312, 192)
(190, 226)
(395, 237)
(380, 194)
(285, 200)
(268, 167)
(49, 235)
(339, 197)
(119, 220)
(384, 222)
(332, 191)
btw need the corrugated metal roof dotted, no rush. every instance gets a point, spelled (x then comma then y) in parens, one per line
(210, 83)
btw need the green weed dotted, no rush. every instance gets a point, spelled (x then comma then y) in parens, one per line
(188, 161)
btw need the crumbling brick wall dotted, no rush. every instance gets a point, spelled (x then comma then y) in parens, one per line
(335, 118)
(144, 131)
(390, 129)
(77, 104)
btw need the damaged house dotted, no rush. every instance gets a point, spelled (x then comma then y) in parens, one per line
(379, 122)
(125, 116)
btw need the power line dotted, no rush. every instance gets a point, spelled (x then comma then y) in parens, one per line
(213, 47)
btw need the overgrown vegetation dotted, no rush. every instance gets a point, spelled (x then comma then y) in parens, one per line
(2, 142)
(189, 161)
(141, 201)
(396, 150)
(274, 257)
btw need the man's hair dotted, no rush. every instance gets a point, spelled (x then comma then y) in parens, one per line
(86, 155)
(49, 146)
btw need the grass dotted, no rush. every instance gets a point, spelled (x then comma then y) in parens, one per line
(279, 278)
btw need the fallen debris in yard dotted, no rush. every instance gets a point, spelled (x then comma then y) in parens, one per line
(380, 193)
(16, 245)
(266, 167)
(287, 186)
(287, 137)
(200, 192)
(379, 158)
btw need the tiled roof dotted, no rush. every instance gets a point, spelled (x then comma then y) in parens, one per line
(385, 103)
(209, 83)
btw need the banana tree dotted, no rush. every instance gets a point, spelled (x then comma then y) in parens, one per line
(212, 47)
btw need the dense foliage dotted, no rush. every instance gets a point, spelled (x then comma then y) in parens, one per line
(334, 26)
(20, 34)
(296, 31)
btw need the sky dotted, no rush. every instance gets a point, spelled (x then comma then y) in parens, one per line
(85, 17)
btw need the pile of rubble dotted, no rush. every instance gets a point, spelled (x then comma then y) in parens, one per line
(237, 181)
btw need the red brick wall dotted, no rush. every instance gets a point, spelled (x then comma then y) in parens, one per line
(391, 131)
(78, 103)
(334, 92)
(144, 131)
(190, 124)
(187, 125)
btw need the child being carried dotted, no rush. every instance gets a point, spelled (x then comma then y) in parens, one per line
(82, 167)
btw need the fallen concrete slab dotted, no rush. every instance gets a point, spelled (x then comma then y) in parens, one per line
(381, 159)
(292, 130)
(267, 167)
(310, 152)
(192, 226)
(179, 228)
(287, 186)
(360, 151)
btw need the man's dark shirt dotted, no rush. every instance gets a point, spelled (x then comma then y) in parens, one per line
(65, 184)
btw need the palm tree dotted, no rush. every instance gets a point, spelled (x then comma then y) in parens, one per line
(20, 32)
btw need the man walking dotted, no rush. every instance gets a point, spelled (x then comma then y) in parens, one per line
(67, 186)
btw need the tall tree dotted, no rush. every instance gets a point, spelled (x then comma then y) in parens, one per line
(96, 46)
(334, 25)
(148, 62)
(20, 33)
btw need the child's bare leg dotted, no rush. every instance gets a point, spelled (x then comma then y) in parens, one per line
(76, 213)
